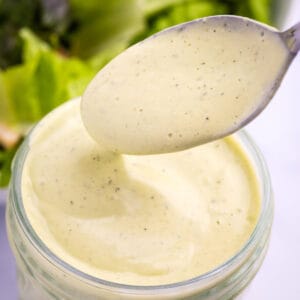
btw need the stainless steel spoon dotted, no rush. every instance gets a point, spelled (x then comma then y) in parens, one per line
(291, 38)
(188, 85)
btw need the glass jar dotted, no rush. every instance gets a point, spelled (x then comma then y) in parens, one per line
(42, 275)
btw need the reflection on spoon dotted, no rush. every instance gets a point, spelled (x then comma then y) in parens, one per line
(187, 85)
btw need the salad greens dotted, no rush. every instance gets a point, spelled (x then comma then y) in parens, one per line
(44, 80)
(52, 48)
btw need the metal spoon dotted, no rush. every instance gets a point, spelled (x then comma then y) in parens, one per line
(188, 85)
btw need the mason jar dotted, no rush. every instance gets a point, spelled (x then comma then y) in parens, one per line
(44, 276)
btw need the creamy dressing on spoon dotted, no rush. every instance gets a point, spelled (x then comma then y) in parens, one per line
(185, 86)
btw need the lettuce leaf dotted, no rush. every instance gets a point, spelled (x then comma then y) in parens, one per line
(104, 25)
(6, 157)
(44, 80)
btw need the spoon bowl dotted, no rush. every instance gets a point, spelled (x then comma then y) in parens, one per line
(187, 85)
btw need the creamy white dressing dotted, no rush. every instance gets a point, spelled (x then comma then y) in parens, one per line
(142, 220)
(184, 87)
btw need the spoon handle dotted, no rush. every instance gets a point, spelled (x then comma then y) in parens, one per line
(292, 38)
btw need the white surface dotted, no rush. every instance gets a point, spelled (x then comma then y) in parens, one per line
(277, 133)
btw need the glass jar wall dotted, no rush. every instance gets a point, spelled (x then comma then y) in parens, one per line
(42, 275)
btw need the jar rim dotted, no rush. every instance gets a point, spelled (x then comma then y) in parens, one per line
(261, 171)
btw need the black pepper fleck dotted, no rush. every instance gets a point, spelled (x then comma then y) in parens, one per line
(96, 158)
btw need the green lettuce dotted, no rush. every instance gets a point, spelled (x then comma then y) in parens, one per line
(104, 25)
(6, 157)
(44, 80)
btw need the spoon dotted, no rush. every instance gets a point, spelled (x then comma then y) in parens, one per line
(187, 85)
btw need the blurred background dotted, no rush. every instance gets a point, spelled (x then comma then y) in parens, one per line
(50, 50)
